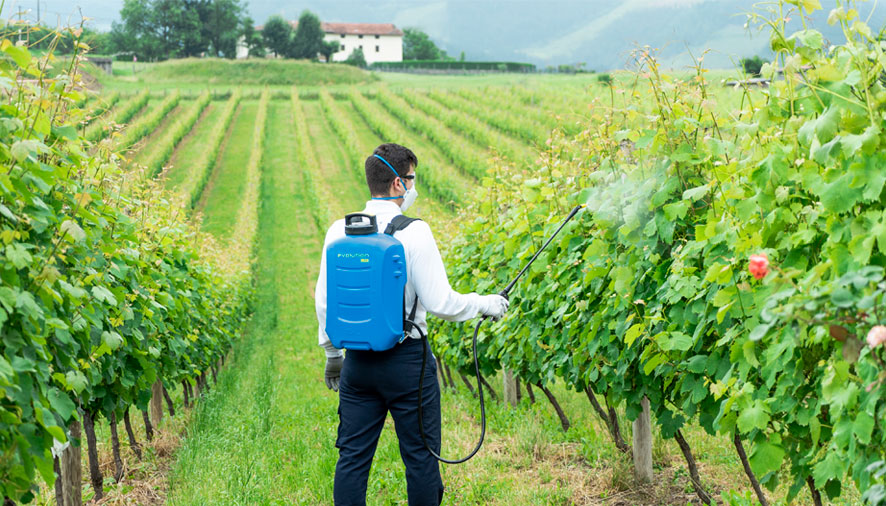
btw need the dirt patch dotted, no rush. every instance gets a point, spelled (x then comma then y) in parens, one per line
(89, 82)
(146, 481)
(608, 482)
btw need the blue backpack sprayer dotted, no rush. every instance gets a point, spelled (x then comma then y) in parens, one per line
(366, 276)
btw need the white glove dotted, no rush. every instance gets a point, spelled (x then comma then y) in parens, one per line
(493, 306)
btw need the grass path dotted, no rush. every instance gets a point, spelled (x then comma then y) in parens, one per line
(142, 148)
(221, 198)
(191, 146)
(526, 131)
(255, 432)
(425, 206)
(333, 175)
(266, 432)
(472, 128)
(472, 160)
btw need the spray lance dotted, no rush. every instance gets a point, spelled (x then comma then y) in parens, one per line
(504, 293)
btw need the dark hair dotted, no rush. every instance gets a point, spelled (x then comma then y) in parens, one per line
(379, 175)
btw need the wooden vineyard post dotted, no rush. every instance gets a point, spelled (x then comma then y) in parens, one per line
(643, 444)
(511, 387)
(71, 472)
(156, 403)
(441, 380)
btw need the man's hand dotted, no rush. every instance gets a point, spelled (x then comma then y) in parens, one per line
(494, 306)
(333, 372)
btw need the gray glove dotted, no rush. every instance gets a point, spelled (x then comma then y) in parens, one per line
(333, 372)
(494, 306)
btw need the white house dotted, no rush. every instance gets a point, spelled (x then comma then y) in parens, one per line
(379, 41)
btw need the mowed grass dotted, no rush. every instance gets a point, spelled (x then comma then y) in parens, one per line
(425, 207)
(191, 147)
(196, 74)
(221, 200)
(344, 186)
(245, 452)
(143, 148)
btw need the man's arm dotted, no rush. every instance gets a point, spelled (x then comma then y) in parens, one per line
(432, 284)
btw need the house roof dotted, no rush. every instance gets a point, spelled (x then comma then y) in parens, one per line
(353, 28)
(362, 28)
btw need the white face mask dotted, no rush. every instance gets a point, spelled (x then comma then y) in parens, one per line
(409, 197)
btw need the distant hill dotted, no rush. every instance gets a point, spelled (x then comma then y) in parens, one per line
(600, 33)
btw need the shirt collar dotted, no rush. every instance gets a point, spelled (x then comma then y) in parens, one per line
(382, 207)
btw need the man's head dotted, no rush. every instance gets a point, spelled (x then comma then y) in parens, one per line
(381, 179)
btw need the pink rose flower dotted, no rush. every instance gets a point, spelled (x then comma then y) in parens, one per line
(759, 265)
(877, 336)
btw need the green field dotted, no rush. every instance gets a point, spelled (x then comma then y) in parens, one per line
(214, 73)
(264, 433)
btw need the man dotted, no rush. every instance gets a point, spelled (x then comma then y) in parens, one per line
(372, 383)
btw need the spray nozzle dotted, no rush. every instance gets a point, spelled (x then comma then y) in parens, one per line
(575, 210)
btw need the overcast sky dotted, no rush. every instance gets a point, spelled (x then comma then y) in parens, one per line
(599, 33)
(103, 12)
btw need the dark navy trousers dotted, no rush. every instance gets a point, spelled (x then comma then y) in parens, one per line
(373, 383)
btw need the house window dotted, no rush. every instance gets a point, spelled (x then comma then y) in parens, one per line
(376, 36)
(359, 36)
(342, 48)
(342, 35)
(361, 47)
(376, 49)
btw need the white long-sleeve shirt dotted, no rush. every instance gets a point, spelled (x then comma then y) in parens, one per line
(425, 275)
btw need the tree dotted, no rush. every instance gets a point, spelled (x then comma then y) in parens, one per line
(251, 38)
(99, 42)
(135, 31)
(308, 41)
(418, 46)
(356, 58)
(167, 22)
(752, 66)
(222, 26)
(193, 30)
(159, 29)
(277, 35)
(330, 47)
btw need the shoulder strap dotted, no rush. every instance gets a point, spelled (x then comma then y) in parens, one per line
(408, 322)
(399, 223)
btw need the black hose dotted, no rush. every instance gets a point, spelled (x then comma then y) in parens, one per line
(426, 345)
(421, 381)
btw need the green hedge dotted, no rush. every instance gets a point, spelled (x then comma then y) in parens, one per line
(492, 66)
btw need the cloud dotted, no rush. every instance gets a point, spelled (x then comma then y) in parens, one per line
(432, 18)
(668, 3)
(584, 34)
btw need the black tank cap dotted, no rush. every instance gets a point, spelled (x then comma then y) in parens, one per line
(360, 224)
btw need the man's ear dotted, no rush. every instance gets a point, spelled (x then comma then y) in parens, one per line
(397, 185)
